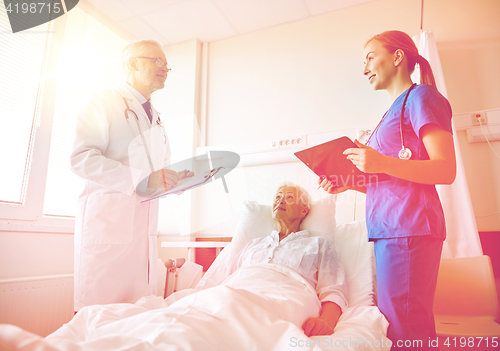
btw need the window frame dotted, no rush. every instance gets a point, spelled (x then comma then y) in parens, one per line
(32, 207)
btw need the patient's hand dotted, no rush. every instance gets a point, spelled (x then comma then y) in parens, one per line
(317, 326)
(326, 322)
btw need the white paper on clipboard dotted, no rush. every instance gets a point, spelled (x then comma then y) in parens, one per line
(186, 184)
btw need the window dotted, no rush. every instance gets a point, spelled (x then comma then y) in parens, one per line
(22, 59)
(90, 60)
(46, 73)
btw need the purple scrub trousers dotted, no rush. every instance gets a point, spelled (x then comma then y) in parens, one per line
(407, 270)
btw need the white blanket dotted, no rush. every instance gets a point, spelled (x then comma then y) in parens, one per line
(259, 307)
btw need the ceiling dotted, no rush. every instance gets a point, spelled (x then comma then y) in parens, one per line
(174, 21)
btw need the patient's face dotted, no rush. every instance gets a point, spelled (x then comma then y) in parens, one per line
(288, 204)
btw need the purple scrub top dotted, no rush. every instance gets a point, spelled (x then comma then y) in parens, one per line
(400, 208)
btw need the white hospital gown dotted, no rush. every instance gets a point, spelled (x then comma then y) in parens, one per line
(313, 257)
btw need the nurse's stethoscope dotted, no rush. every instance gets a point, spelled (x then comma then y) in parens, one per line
(404, 153)
(128, 113)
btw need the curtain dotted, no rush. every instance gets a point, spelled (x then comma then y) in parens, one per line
(462, 234)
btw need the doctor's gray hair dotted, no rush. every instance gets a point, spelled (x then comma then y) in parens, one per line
(135, 48)
(303, 193)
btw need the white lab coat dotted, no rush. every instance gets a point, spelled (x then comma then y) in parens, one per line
(115, 234)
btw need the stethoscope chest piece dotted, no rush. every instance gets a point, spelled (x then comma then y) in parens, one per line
(404, 154)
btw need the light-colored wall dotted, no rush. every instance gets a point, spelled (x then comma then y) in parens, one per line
(29, 254)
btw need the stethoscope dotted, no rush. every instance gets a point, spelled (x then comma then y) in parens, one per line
(129, 111)
(404, 153)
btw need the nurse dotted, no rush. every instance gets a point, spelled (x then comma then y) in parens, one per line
(413, 143)
(115, 234)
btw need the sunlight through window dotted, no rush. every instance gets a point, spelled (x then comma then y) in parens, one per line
(21, 57)
(90, 60)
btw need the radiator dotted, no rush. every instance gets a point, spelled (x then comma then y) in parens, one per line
(39, 305)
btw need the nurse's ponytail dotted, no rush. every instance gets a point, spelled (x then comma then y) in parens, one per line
(426, 75)
(393, 40)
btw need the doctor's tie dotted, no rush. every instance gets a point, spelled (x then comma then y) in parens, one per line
(147, 108)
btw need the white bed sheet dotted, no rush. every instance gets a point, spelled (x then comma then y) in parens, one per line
(260, 307)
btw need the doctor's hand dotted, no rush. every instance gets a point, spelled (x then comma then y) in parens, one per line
(182, 175)
(317, 326)
(365, 158)
(163, 179)
(185, 174)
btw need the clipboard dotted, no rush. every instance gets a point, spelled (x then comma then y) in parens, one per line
(186, 184)
(328, 161)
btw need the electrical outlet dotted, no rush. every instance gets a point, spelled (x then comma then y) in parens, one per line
(479, 118)
(297, 142)
(291, 143)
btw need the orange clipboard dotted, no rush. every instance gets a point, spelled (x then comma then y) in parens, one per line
(328, 161)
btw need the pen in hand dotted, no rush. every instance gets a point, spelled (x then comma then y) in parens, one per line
(165, 185)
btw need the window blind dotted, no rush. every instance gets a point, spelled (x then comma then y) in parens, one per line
(21, 68)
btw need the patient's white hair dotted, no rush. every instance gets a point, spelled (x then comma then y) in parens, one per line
(304, 194)
(135, 48)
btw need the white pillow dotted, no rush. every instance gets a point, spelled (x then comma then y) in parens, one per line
(256, 221)
(358, 257)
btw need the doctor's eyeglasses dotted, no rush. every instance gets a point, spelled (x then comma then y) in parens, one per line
(158, 61)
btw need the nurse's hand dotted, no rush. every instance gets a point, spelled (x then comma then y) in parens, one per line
(163, 179)
(365, 158)
(329, 186)
(331, 189)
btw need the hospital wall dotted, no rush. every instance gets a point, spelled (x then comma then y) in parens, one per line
(306, 77)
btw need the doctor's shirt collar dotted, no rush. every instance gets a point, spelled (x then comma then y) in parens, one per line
(136, 93)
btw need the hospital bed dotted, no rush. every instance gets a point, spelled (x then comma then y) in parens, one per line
(229, 317)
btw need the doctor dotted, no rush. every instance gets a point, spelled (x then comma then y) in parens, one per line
(119, 141)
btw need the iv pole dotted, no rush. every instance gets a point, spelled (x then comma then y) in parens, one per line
(421, 16)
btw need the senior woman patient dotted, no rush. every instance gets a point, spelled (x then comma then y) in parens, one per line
(313, 257)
